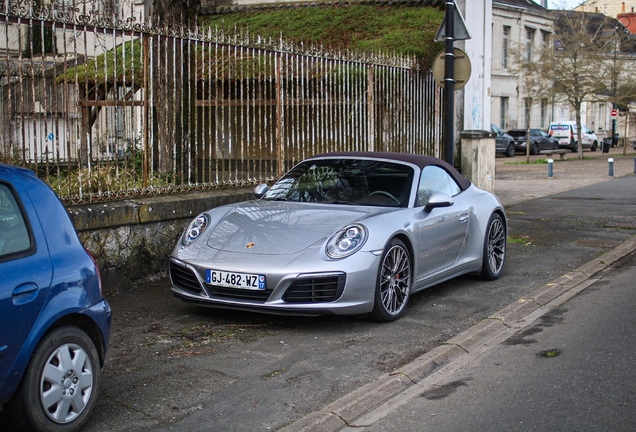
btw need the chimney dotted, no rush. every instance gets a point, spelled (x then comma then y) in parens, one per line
(544, 3)
(623, 8)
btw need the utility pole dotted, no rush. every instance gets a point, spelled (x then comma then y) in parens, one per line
(449, 83)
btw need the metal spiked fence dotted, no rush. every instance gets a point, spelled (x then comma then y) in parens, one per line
(109, 108)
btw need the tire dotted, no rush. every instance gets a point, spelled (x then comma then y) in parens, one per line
(555, 146)
(494, 254)
(575, 147)
(393, 284)
(594, 146)
(535, 149)
(510, 152)
(60, 401)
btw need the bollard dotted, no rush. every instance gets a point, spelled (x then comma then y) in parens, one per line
(635, 165)
(611, 167)
(550, 171)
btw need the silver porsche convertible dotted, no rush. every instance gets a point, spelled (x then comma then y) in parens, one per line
(342, 233)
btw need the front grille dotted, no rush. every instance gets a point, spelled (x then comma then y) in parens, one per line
(184, 278)
(320, 289)
(238, 294)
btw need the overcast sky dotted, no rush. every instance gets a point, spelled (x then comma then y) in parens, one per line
(567, 4)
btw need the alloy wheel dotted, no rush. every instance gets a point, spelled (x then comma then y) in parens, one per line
(395, 279)
(496, 249)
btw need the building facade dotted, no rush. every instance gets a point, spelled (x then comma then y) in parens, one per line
(519, 28)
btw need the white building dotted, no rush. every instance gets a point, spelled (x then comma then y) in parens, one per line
(518, 27)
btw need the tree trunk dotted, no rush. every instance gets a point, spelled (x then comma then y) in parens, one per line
(578, 130)
(173, 84)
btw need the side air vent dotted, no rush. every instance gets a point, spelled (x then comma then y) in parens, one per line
(320, 289)
(184, 278)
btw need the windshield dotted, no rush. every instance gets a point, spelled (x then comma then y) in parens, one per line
(517, 133)
(350, 181)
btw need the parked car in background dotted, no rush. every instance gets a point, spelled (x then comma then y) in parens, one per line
(54, 321)
(504, 143)
(539, 140)
(342, 233)
(565, 133)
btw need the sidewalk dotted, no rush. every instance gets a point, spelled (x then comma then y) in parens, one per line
(570, 369)
(516, 182)
(393, 401)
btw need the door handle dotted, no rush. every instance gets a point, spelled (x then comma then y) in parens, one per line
(25, 293)
(463, 218)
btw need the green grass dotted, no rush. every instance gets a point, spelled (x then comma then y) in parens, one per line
(401, 29)
(524, 240)
(537, 162)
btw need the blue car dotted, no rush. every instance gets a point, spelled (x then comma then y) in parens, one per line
(54, 321)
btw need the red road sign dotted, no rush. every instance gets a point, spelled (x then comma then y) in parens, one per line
(614, 113)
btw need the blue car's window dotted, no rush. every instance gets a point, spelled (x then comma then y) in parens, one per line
(14, 236)
(435, 179)
(354, 181)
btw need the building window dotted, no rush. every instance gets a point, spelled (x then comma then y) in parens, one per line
(503, 121)
(544, 113)
(504, 47)
(545, 39)
(529, 42)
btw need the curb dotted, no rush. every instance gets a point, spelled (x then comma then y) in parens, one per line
(344, 411)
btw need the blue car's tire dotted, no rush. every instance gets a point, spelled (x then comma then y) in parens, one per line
(393, 285)
(60, 386)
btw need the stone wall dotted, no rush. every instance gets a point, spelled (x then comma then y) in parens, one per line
(132, 240)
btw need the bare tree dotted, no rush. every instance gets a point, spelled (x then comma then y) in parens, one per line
(533, 86)
(582, 62)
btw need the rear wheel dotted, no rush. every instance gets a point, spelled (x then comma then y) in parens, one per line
(575, 147)
(494, 255)
(393, 285)
(594, 146)
(510, 152)
(535, 149)
(59, 388)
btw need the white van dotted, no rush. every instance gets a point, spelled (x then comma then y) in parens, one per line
(565, 133)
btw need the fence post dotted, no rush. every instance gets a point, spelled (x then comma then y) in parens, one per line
(279, 109)
(371, 112)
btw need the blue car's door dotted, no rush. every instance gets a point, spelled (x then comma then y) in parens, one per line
(25, 271)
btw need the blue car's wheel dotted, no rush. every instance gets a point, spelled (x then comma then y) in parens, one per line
(60, 385)
(393, 286)
(494, 248)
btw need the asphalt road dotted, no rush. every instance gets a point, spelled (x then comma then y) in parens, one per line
(570, 370)
(173, 366)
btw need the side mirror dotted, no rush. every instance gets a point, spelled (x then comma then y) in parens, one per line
(438, 199)
(260, 190)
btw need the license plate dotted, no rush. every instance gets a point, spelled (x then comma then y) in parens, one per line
(235, 280)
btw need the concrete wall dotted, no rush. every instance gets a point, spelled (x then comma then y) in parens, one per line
(478, 158)
(132, 240)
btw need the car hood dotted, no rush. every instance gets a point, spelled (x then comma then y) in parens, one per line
(276, 228)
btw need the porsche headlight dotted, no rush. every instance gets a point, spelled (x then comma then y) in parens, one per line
(195, 229)
(346, 241)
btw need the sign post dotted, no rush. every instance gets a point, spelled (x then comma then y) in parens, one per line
(453, 28)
